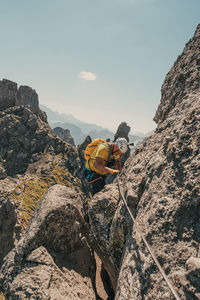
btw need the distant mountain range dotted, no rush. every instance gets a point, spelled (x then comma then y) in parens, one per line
(79, 129)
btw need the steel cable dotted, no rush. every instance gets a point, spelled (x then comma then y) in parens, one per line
(147, 245)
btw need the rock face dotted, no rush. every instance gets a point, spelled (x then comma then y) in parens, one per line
(10, 96)
(64, 134)
(23, 129)
(183, 78)
(107, 236)
(167, 207)
(161, 183)
(26, 96)
(53, 259)
(23, 135)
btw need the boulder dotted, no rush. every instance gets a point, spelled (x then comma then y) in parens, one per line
(53, 258)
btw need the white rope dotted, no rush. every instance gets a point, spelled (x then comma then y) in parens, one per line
(148, 247)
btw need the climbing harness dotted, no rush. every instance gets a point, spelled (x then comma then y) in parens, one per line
(147, 245)
(95, 179)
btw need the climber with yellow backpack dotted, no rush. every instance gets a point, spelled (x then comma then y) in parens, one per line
(99, 155)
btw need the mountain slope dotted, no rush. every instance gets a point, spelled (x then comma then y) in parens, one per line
(54, 117)
(79, 130)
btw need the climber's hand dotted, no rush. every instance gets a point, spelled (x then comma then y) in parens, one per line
(112, 172)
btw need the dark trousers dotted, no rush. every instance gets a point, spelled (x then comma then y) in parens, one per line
(94, 180)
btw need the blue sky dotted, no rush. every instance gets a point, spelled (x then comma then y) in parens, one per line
(103, 61)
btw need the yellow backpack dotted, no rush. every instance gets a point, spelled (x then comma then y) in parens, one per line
(92, 146)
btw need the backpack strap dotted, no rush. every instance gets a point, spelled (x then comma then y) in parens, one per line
(109, 147)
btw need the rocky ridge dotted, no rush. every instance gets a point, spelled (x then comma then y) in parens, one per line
(24, 131)
(32, 159)
(161, 183)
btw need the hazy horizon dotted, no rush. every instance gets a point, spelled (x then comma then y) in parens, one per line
(42, 106)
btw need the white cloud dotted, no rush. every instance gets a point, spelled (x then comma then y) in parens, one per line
(87, 75)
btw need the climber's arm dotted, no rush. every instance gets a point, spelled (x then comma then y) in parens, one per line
(99, 165)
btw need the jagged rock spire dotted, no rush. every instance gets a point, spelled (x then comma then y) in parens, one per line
(122, 131)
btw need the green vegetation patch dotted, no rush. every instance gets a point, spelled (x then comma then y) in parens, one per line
(28, 193)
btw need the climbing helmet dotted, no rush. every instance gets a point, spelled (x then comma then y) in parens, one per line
(122, 144)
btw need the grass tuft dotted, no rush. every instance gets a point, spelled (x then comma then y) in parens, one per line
(28, 193)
